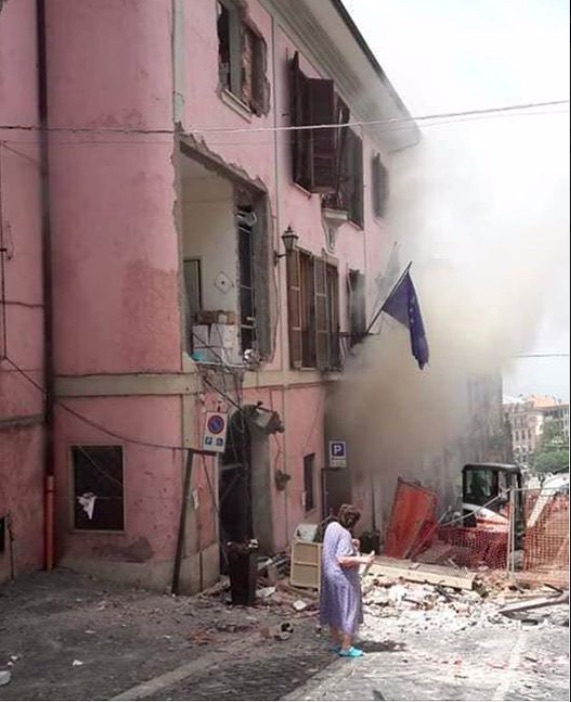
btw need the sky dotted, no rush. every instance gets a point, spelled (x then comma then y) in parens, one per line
(507, 177)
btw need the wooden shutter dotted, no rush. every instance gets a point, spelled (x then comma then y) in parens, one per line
(294, 308)
(380, 186)
(333, 316)
(321, 315)
(343, 115)
(260, 98)
(298, 117)
(356, 209)
(321, 95)
(357, 307)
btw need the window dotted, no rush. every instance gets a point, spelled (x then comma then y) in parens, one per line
(313, 312)
(193, 296)
(348, 195)
(480, 486)
(242, 58)
(327, 161)
(314, 155)
(2, 534)
(357, 308)
(380, 186)
(98, 488)
(309, 481)
(246, 285)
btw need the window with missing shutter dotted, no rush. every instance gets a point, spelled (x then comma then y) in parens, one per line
(98, 488)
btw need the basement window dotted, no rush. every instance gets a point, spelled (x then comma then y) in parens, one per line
(98, 488)
(242, 58)
(309, 481)
(313, 312)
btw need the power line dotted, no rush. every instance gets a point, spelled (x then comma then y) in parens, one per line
(97, 425)
(290, 128)
(542, 355)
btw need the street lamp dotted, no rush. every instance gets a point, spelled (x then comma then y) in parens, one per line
(289, 237)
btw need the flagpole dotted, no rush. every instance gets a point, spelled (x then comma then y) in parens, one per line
(395, 286)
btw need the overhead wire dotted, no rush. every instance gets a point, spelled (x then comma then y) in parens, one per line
(411, 120)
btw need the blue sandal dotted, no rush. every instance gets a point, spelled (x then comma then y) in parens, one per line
(334, 648)
(350, 652)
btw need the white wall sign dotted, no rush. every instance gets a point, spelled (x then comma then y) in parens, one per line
(215, 430)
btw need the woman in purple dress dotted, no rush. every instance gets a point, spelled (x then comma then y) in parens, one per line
(341, 606)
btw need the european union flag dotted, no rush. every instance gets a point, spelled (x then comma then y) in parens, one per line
(402, 305)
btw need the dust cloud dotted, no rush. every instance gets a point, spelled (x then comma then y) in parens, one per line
(482, 211)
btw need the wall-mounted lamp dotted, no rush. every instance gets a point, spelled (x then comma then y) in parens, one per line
(289, 237)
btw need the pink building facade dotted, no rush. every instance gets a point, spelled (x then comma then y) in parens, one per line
(173, 172)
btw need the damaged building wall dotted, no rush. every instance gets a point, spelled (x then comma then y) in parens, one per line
(21, 297)
(116, 287)
(149, 106)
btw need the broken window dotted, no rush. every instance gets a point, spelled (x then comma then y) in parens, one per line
(242, 58)
(313, 312)
(309, 481)
(314, 154)
(246, 281)
(192, 272)
(357, 306)
(98, 488)
(380, 186)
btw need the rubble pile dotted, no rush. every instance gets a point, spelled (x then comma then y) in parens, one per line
(392, 607)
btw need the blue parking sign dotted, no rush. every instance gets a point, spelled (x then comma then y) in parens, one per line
(337, 454)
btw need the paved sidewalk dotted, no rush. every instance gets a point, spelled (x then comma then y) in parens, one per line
(67, 637)
(492, 665)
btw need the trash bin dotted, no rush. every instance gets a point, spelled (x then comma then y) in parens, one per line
(243, 571)
(371, 541)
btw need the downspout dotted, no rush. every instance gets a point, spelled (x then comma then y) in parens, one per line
(47, 287)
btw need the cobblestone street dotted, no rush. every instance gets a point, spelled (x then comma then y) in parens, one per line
(65, 637)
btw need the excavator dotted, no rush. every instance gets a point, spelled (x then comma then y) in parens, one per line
(488, 489)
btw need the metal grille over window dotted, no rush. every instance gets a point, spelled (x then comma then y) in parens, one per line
(98, 488)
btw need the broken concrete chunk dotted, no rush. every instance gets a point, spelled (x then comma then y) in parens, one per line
(5, 677)
(300, 605)
(265, 593)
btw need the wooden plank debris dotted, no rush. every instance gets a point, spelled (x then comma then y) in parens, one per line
(422, 573)
(537, 603)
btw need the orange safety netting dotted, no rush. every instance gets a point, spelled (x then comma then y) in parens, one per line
(546, 540)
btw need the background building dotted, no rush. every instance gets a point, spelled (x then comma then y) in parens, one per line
(527, 417)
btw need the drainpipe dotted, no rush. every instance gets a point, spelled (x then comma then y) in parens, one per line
(47, 287)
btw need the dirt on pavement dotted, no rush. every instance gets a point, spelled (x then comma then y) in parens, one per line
(65, 636)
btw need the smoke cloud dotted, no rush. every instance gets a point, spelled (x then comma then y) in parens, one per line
(481, 209)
